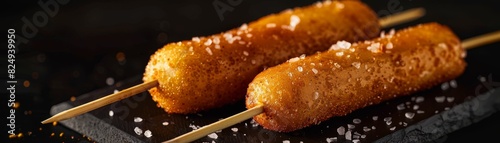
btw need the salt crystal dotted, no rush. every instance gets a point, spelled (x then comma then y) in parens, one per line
(482, 79)
(234, 129)
(299, 68)
(409, 115)
(164, 123)
(341, 45)
(111, 113)
(341, 130)
(373, 127)
(245, 53)
(356, 64)
(329, 140)
(339, 54)
(242, 42)
(420, 112)
(374, 47)
(194, 127)
(415, 107)
(249, 35)
(253, 62)
(355, 141)
(375, 118)
(439, 99)
(196, 39)
(419, 99)
(388, 122)
(270, 25)
(337, 65)
(392, 128)
(350, 126)
(453, 83)
(400, 107)
(450, 99)
(148, 133)
(208, 42)
(316, 95)
(116, 91)
(110, 81)
(387, 119)
(137, 119)
(355, 136)
(294, 20)
(363, 136)
(348, 135)
(216, 40)
(213, 135)
(208, 51)
(389, 45)
(244, 26)
(314, 71)
(302, 56)
(356, 121)
(138, 130)
(445, 86)
(286, 141)
(463, 54)
(366, 129)
(446, 108)
(405, 124)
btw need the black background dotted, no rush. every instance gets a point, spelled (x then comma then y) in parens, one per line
(85, 42)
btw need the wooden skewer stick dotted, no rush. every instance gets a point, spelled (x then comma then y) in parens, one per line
(401, 17)
(240, 117)
(384, 22)
(101, 102)
(481, 40)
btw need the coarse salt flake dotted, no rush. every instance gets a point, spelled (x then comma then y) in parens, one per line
(138, 130)
(208, 51)
(148, 133)
(213, 135)
(339, 54)
(293, 59)
(111, 113)
(341, 130)
(208, 42)
(294, 21)
(270, 25)
(299, 68)
(440, 99)
(196, 39)
(374, 47)
(389, 45)
(356, 121)
(341, 45)
(356, 64)
(314, 71)
(137, 119)
(409, 115)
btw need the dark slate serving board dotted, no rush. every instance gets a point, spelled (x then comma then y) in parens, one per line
(475, 96)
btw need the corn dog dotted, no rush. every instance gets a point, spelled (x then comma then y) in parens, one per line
(212, 71)
(308, 90)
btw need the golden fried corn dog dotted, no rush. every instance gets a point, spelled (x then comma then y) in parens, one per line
(212, 71)
(307, 90)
